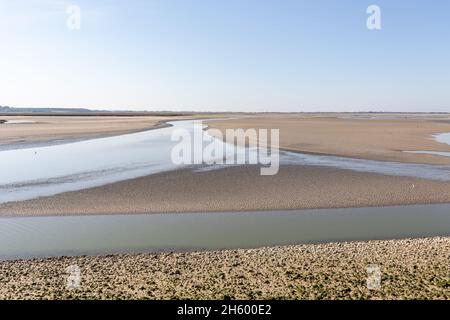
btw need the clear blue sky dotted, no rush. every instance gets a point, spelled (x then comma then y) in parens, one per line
(238, 55)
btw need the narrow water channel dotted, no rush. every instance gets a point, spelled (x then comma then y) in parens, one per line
(37, 237)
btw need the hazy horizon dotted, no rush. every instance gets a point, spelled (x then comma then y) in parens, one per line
(186, 110)
(252, 56)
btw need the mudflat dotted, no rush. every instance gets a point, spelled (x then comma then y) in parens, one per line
(410, 268)
(375, 137)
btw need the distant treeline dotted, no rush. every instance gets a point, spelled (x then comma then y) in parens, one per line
(17, 110)
(83, 111)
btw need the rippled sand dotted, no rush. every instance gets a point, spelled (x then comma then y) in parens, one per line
(238, 189)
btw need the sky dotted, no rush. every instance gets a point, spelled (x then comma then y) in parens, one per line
(226, 55)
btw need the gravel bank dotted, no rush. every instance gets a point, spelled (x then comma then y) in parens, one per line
(411, 269)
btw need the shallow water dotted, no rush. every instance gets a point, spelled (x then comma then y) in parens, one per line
(434, 153)
(442, 138)
(42, 171)
(18, 121)
(424, 171)
(34, 237)
(48, 170)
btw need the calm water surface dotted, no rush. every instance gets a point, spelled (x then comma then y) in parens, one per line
(32, 237)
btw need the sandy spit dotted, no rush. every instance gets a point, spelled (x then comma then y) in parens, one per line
(60, 128)
(377, 137)
(238, 189)
(410, 269)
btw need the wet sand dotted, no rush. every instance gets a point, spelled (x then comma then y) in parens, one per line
(57, 128)
(410, 269)
(238, 189)
(375, 137)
